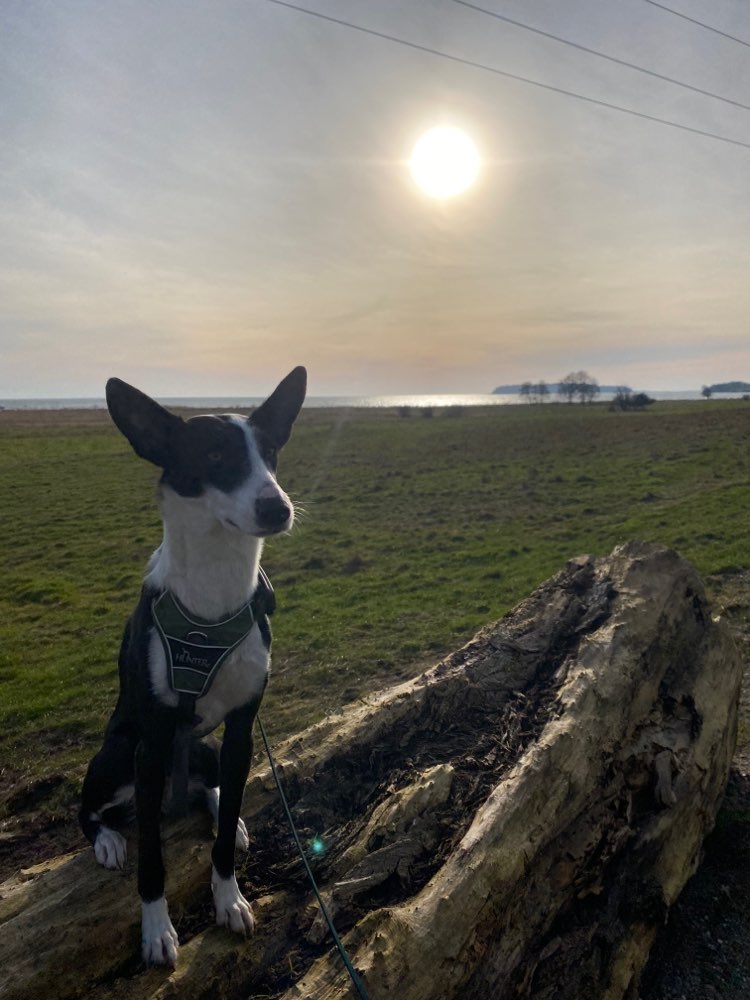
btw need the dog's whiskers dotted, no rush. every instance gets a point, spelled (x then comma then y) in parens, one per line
(301, 510)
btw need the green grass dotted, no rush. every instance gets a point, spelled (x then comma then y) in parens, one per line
(415, 533)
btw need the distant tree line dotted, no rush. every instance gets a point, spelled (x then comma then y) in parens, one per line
(735, 387)
(626, 399)
(580, 386)
(576, 385)
(534, 392)
(584, 388)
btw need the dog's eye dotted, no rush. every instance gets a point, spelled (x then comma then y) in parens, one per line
(214, 457)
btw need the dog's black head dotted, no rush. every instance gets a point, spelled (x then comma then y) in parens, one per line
(229, 461)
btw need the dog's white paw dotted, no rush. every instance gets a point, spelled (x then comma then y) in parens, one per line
(159, 941)
(232, 909)
(242, 840)
(110, 848)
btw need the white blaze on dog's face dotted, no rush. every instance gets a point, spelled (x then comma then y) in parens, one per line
(238, 486)
(224, 466)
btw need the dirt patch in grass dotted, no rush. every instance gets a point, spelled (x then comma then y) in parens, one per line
(39, 820)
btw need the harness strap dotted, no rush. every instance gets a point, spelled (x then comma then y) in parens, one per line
(178, 802)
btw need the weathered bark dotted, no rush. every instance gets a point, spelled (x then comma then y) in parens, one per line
(515, 822)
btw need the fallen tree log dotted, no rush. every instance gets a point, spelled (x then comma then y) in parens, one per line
(515, 822)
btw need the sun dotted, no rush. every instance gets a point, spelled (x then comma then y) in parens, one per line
(445, 162)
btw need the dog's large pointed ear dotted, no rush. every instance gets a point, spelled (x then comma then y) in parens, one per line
(276, 416)
(149, 428)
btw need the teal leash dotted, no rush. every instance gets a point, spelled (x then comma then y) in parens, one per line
(358, 984)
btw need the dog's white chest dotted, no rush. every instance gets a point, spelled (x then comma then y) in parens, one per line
(240, 679)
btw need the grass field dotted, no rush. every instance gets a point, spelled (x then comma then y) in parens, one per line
(413, 533)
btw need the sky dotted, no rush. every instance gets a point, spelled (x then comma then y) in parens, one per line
(197, 196)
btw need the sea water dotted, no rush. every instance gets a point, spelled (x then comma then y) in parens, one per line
(414, 400)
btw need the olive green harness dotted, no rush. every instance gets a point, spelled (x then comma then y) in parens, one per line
(194, 650)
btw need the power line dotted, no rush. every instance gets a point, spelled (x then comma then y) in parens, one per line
(701, 24)
(601, 55)
(504, 73)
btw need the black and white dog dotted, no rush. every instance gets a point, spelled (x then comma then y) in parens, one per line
(196, 651)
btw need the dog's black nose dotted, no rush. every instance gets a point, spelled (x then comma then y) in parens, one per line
(272, 512)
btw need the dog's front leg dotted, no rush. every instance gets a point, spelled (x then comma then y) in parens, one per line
(158, 936)
(232, 909)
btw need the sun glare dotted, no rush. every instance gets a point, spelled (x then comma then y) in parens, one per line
(444, 162)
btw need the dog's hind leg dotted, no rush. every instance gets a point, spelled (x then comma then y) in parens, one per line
(242, 838)
(108, 785)
(205, 768)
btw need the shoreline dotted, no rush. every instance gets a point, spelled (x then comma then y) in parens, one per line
(47, 419)
(372, 402)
